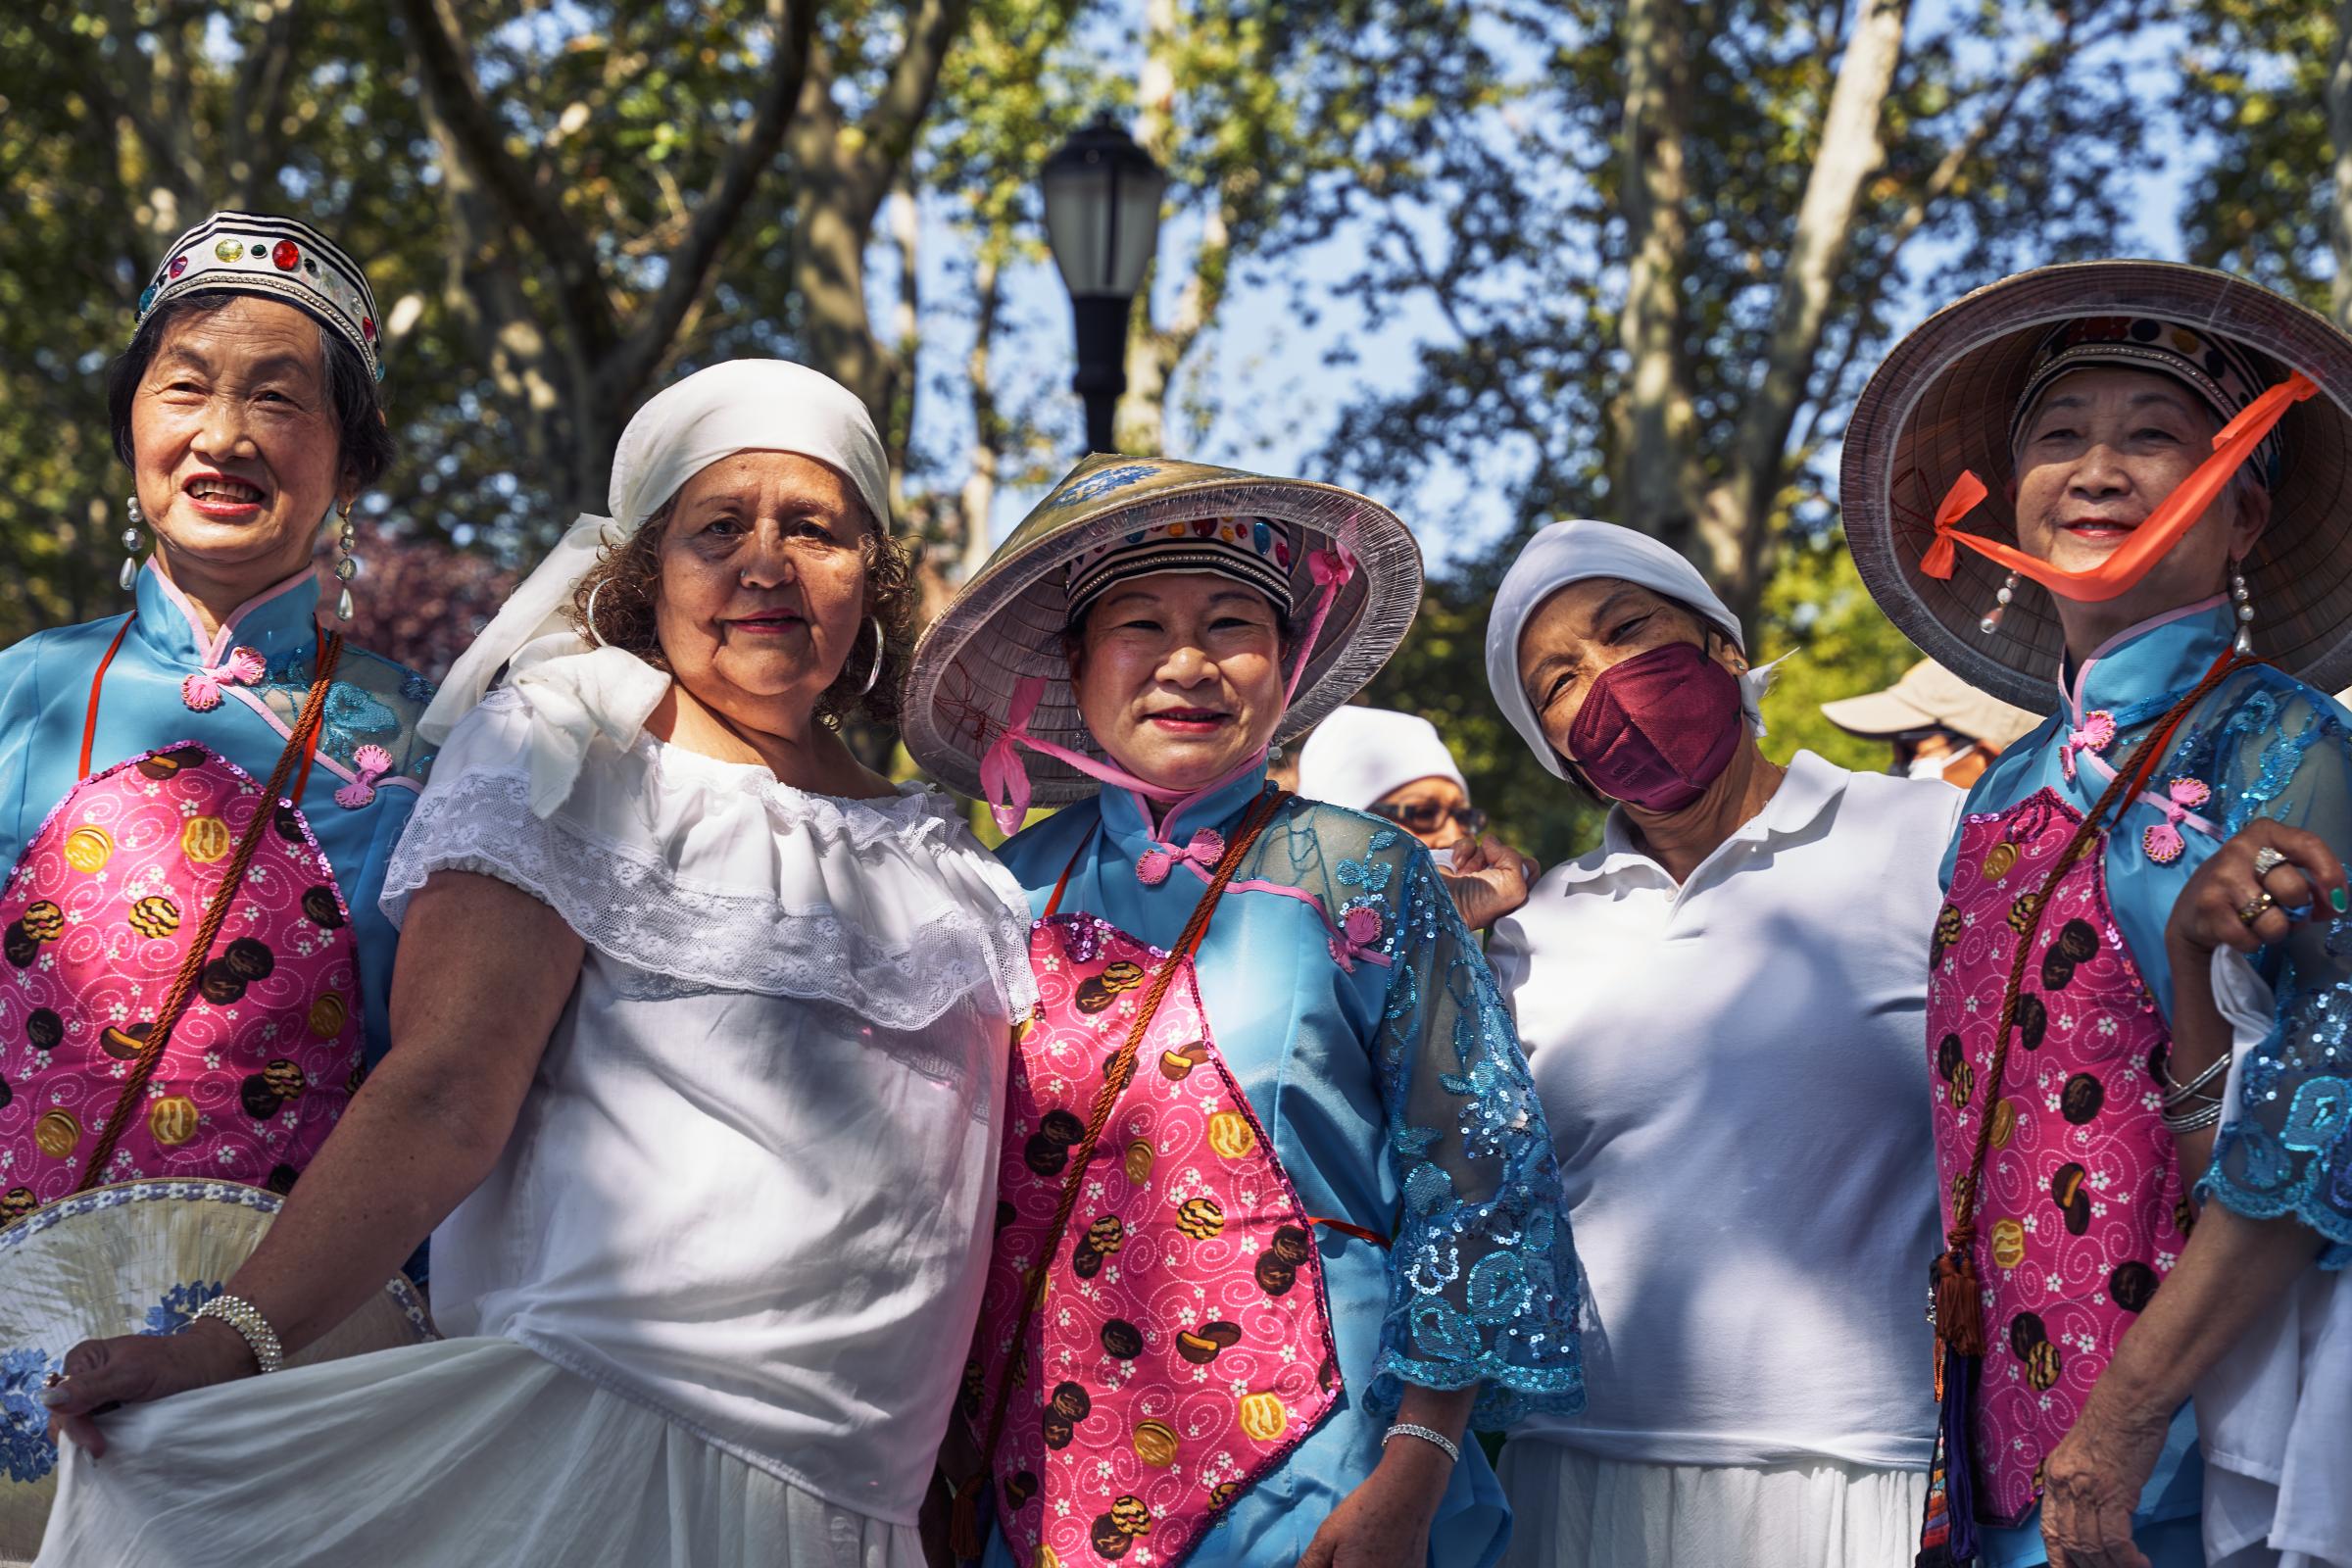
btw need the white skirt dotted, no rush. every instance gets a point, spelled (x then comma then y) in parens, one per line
(463, 1452)
(1573, 1510)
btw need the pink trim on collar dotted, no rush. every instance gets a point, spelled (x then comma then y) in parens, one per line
(219, 642)
(2074, 694)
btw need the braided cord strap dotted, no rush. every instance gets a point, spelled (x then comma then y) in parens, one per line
(246, 1318)
(216, 915)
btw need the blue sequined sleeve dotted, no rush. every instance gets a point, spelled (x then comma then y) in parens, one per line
(2289, 1149)
(1482, 1275)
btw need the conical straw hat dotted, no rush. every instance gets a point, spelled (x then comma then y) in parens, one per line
(1007, 624)
(138, 1258)
(1941, 403)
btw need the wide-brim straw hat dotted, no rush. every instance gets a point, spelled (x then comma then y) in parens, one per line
(139, 1257)
(1008, 624)
(1931, 697)
(1941, 403)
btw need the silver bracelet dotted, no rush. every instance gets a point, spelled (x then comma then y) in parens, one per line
(2206, 1115)
(2174, 1093)
(246, 1318)
(1407, 1429)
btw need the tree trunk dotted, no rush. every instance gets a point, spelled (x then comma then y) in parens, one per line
(2339, 132)
(1736, 520)
(1656, 452)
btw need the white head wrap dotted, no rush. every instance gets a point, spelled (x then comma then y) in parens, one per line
(1577, 551)
(1358, 754)
(577, 690)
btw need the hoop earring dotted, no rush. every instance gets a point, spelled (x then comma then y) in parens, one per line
(874, 675)
(132, 539)
(347, 564)
(595, 636)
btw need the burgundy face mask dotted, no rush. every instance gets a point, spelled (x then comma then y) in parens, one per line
(1656, 731)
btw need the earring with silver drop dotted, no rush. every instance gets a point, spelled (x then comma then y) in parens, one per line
(132, 541)
(2000, 602)
(2242, 602)
(347, 564)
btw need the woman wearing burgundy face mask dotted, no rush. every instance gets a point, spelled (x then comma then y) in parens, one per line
(1721, 1008)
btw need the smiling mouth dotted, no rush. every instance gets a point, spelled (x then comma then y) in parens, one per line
(218, 492)
(772, 624)
(1189, 719)
(2098, 527)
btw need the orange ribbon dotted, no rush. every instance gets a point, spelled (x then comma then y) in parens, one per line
(2151, 541)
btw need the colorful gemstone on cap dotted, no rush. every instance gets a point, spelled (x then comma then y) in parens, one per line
(367, 328)
(228, 250)
(146, 299)
(180, 265)
(285, 254)
(311, 266)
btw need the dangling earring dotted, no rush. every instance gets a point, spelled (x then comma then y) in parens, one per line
(2244, 647)
(347, 564)
(2000, 602)
(874, 675)
(132, 541)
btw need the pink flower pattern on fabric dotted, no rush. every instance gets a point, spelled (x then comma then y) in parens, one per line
(371, 762)
(2162, 842)
(202, 690)
(2096, 735)
(99, 914)
(1206, 848)
(1182, 1345)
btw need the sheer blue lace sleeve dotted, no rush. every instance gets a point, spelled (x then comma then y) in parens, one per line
(1482, 1275)
(2289, 1151)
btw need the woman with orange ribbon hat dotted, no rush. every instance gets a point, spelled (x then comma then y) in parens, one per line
(1277, 1212)
(2163, 452)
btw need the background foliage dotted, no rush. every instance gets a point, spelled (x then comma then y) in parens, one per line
(1532, 258)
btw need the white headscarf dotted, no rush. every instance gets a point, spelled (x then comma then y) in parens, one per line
(577, 690)
(1577, 551)
(1358, 754)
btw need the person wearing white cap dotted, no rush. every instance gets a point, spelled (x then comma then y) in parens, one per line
(699, 1069)
(1392, 764)
(1720, 1007)
(1939, 725)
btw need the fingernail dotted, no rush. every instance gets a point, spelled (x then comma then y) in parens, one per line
(2340, 900)
(57, 1396)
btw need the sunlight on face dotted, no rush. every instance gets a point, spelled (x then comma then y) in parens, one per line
(1179, 676)
(1585, 628)
(762, 583)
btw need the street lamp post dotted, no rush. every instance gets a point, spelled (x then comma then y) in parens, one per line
(1102, 197)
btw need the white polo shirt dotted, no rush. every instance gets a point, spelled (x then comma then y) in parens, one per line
(1735, 1072)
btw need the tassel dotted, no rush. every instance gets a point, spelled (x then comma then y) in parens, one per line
(963, 1520)
(1947, 1535)
(1959, 1307)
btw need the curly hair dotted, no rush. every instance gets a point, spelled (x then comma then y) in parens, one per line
(625, 583)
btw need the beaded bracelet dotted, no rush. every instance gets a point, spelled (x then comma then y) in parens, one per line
(246, 1318)
(1409, 1430)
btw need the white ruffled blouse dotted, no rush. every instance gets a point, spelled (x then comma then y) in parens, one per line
(750, 1186)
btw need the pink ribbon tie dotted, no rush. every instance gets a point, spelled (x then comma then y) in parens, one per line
(1208, 847)
(2096, 735)
(202, 690)
(2162, 841)
(373, 762)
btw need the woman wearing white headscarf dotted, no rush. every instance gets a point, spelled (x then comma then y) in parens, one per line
(1722, 1008)
(699, 1035)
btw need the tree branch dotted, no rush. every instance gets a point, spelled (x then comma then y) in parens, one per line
(258, 103)
(2339, 131)
(716, 216)
(1656, 460)
(436, 40)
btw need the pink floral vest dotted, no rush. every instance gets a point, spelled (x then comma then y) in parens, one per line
(2082, 1214)
(1181, 1342)
(95, 922)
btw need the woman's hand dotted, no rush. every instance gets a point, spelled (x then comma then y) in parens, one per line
(1488, 881)
(1384, 1523)
(102, 1374)
(2092, 1480)
(2309, 878)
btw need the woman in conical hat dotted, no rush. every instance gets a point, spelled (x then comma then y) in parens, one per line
(1278, 1218)
(2116, 492)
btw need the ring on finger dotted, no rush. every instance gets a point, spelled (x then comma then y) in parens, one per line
(2253, 909)
(2266, 860)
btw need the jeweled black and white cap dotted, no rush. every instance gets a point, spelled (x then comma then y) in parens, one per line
(278, 258)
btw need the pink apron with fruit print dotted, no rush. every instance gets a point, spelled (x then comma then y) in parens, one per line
(2082, 1213)
(94, 924)
(1182, 1347)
